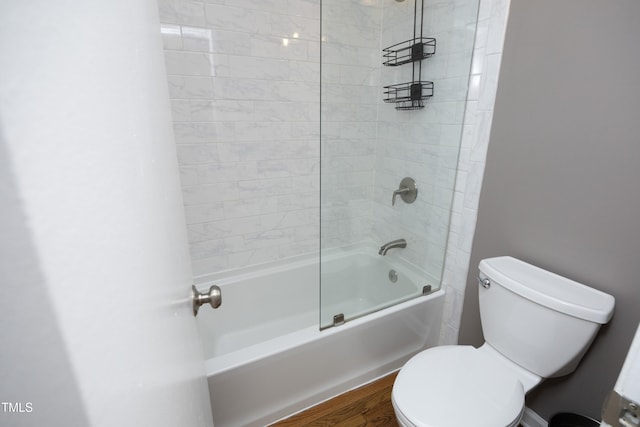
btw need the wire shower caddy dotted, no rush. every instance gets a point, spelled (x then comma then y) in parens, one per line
(413, 94)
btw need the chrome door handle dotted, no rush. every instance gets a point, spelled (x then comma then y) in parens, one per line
(213, 297)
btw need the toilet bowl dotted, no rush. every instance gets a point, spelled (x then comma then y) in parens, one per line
(465, 386)
(520, 304)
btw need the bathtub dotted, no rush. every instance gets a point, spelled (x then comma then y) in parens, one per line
(266, 357)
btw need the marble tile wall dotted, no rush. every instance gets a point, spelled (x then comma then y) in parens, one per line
(423, 144)
(351, 91)
(244, 81)
(368, 146)
(483, 84)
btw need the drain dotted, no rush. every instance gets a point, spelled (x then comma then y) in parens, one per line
(393, 276)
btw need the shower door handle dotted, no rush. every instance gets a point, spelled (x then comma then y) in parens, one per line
(213, 297)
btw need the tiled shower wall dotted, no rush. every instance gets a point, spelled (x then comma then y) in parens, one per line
(483, 83)
(244, 81)
(351, 92)
(368, 146)
(423, 144)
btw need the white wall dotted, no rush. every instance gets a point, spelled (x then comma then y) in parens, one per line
(48, 385)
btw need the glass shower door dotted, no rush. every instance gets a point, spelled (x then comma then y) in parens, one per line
(394, 78)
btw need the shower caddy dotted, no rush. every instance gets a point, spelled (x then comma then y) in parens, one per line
(410, 95)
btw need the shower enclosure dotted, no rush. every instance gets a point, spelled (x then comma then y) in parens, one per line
(334, 125)
(394, 79)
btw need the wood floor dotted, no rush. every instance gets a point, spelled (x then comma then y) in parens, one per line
(369, 405)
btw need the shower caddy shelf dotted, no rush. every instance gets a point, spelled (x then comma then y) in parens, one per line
(409, 51)
(410, 95)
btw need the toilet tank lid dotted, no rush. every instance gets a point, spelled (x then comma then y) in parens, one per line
(549, 289)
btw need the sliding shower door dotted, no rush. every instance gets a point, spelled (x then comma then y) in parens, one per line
(394, 79)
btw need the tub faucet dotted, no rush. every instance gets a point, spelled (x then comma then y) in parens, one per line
(400, 243)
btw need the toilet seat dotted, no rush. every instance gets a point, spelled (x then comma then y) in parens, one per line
(456, 386)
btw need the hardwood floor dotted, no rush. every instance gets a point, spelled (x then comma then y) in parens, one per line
(369, 405)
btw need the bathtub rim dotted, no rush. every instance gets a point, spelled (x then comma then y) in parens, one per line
(253, 353)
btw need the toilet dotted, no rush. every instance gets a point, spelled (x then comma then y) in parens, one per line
(536, 325)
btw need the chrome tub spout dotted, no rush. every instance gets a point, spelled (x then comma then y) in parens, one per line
(400, 243)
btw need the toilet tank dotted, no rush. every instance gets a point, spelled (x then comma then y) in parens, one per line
(539, 320)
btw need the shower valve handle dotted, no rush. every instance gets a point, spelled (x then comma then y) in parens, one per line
(407, 191)
(400, 191)
(213, 297)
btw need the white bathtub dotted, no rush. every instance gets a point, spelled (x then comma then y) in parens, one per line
(267, 358)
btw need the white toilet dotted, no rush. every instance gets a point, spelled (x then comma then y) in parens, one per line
(536, 325)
